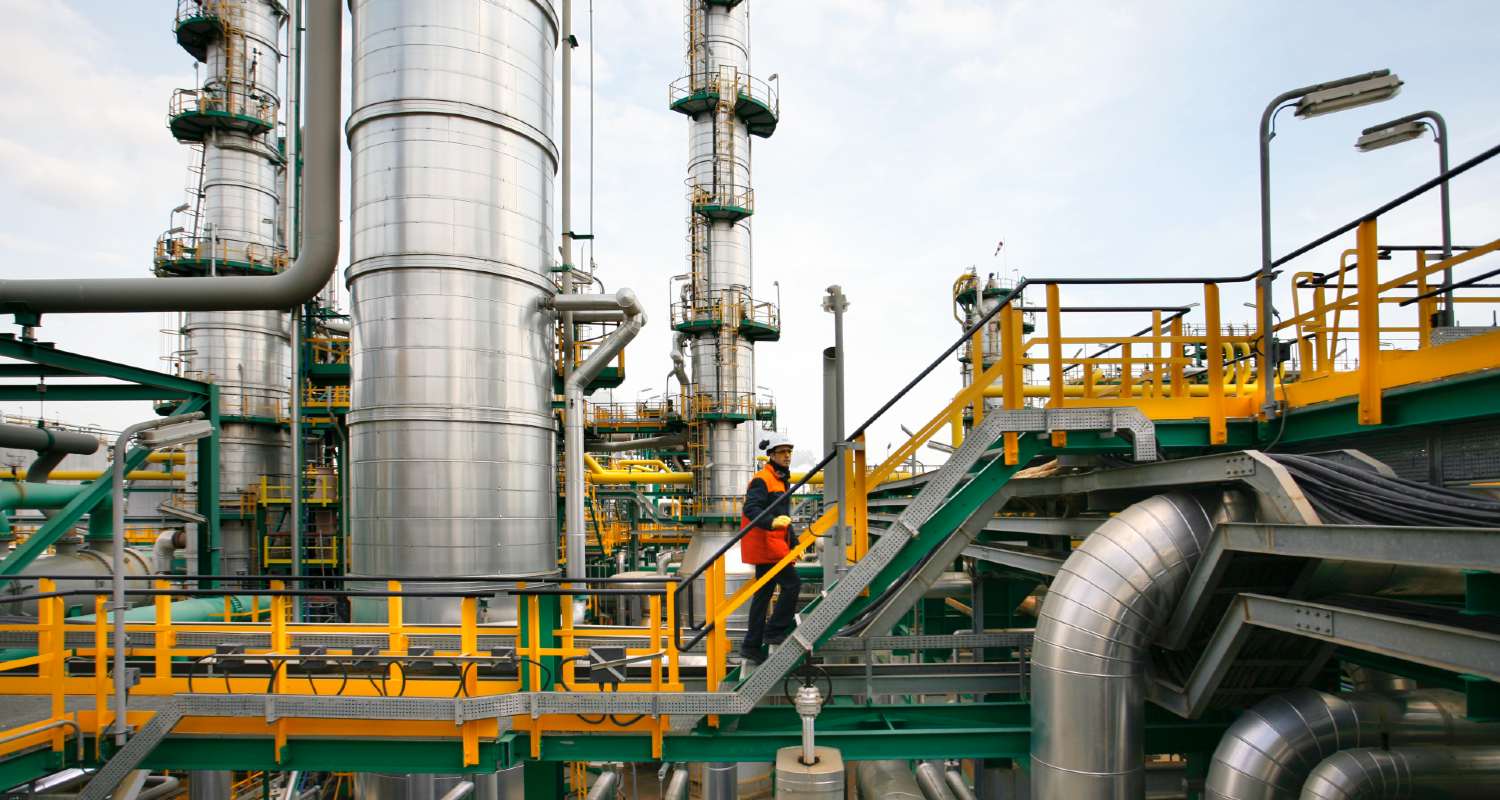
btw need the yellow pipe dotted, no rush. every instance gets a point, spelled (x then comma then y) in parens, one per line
(162, 458)
(95, 474)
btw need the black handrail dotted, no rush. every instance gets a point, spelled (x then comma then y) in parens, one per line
(685, 585)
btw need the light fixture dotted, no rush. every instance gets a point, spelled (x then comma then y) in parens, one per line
(1378, 136)
(176, 230)
(181, 208)
(1351, 95)
(175, 434)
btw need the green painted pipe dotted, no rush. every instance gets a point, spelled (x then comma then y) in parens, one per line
(193, 609)
(17, 495)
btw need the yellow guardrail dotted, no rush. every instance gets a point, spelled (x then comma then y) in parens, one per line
(316, 550)
(319, 488)
(48, 672)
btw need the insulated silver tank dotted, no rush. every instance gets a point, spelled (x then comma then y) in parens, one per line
(453, 163)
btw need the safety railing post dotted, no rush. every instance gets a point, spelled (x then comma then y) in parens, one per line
(1425, 308)
(468, 643)
(49, 649)
(1321, 361)
(166, 638)
(1218, 430)
(1368, 278)
(1127, 367)
(1158, 369)
(1011, 383)
(1054, 359)
(976, 367)
(671, 623)
(859, 498)
(103, 710)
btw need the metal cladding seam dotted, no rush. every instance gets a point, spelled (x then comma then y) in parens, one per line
(1453, 773)
(1269, 751)
(1109, 601)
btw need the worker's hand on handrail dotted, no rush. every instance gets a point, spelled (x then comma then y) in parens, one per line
(781, 523)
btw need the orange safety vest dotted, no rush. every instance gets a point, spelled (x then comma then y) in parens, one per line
(765, 545)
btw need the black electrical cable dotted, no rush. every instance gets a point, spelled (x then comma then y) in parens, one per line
(1343, 494)
(463, 674)
(564, 682)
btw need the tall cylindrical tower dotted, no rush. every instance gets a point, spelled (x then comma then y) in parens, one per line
(716, 306)
(231, 228)
(453, 163)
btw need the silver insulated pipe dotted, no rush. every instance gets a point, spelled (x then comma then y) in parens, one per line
(1109, 601)
(1270, 750)
(1451, 773)
(450, 425)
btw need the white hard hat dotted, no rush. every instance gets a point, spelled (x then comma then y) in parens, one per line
(770, 440)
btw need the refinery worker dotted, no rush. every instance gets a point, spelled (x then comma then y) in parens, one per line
(765, 544)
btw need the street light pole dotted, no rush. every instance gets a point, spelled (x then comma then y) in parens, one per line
(117, 580)
(1405, 129)
(1384, 91)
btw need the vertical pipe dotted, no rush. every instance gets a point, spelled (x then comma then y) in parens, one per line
(296, 479)
(1442, 137)
(720, 780)
(828, 548)
(1267, 276)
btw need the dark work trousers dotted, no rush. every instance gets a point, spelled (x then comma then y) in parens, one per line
(781, 621)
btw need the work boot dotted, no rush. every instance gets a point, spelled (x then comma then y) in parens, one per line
(755, 657)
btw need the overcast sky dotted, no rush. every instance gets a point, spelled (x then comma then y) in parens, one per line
(1093, 138)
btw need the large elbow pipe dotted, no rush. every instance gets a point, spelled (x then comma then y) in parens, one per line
(1453, 773)
(1110, 600)
(320, 214)
(679, 361)
(1270, 751)
(633, 318)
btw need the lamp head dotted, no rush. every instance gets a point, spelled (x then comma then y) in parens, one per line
(1386, 135)
(175, 434)
(1352, 95)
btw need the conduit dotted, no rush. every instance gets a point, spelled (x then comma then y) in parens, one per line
(14, 474)
(320, 237)
(1268, 753)
(633, 319)
(1452, 773)
(1109, 601)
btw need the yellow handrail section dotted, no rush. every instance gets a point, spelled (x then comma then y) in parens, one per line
(268, 620)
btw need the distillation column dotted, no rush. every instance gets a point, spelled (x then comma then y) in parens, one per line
(230, 119)
(716, 307)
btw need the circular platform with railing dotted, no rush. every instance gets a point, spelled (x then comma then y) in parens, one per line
(755, 320)
(195, 112)
(200, 255)
(755, 101)
(725, 202)
(197, 23)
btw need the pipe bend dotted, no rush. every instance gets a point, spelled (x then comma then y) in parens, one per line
(307, 275)
(1109, 602)
(1458, 773)
(1269, 751)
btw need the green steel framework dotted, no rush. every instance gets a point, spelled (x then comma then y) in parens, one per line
(38, 361)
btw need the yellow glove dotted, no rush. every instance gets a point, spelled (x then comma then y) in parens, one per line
(781, 523)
